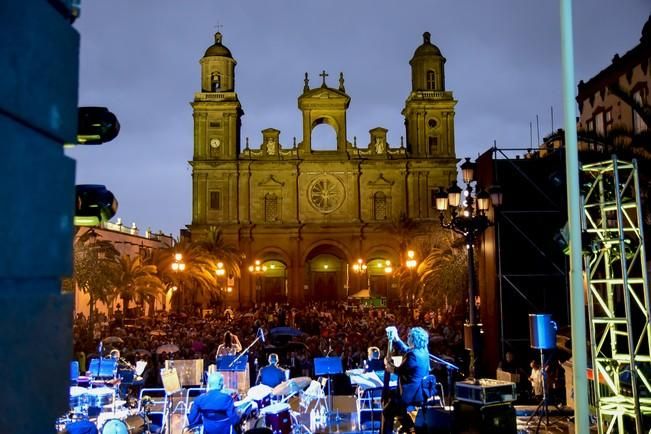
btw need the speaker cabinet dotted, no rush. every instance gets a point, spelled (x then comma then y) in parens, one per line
(470, 418)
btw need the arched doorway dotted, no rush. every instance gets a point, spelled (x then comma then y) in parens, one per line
(380, 277)
(274, 282)
(325, 269)
(268, 280)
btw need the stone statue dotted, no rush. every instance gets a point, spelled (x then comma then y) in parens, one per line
(271, 146)
(379, 145)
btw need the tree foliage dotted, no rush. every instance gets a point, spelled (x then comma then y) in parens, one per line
(443, 273)
(95, 268)
(136, 281)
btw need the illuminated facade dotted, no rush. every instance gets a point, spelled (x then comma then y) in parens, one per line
(306, 214)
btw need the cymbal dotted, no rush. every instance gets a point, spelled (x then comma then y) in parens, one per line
(292, 385)
(302, 382)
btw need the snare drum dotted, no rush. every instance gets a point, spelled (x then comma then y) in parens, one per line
(261, 395)
(278, 418)
(135, 424)
(246, 408)
(100, 396)
(83, 381)
(77, 396)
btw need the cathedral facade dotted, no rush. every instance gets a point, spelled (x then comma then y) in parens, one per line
(304, 217)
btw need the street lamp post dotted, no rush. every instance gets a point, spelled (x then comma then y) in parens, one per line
(257, 269)
(178, 266)
(359, 268)
(411, 264)
(470, 221)
(388, 270)
(220, 271)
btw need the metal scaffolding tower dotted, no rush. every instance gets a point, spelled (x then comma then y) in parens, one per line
(618, 296)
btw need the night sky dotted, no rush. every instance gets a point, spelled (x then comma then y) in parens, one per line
(140, 58)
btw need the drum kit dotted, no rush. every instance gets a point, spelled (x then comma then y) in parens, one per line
(268, 407)
(99, 407)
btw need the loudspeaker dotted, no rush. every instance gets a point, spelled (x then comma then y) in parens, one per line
(542, 331)
(472, 418)
(433, 420)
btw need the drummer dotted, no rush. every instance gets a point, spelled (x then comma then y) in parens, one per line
(214, 409)
(271, 375)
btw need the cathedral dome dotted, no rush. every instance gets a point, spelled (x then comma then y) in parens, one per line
(217, 49)
(427, 48)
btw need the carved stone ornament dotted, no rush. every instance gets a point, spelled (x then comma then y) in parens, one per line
(326, 193)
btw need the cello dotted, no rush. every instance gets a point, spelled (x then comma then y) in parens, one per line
(392, 332)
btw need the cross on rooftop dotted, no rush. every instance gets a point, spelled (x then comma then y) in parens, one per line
(323, 75)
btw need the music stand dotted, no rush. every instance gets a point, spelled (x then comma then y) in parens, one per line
(232, 363)
(171, 384)
(326, 367)
(103, 368)
(233, 369)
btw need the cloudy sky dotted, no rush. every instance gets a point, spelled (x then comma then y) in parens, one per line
(140, 59)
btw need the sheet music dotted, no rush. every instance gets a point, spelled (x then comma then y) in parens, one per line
(366, 380)
(140, 367)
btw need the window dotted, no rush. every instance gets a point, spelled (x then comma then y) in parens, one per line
(215, 200)
(432, 123)
(270, 207)
(590, 125)
(608, 119)
(379, 206)
(638, 123)
(431, 80)
(216, 81)
(599, 123)
(433, 144)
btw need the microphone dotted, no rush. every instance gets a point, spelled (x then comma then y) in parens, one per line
(100, 348)
(261, 333)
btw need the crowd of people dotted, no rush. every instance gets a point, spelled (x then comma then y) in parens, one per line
(289, 339)
(297, 335)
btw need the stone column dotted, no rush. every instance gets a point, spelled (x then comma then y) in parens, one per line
(38, 114)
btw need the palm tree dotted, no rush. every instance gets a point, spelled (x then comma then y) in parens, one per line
(405, 230)
(137, 281)
(196, 282)
(442, 273)
(215, 245)
(95, 269)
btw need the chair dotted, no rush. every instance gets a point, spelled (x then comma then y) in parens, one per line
(369, 406)
(157, 420)
(192, 392)
(428, 409)
(158, 403)
(157, 395)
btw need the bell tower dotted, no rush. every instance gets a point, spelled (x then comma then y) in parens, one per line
(324, 105)
(216, 109)
(217, 121)
(429, 109)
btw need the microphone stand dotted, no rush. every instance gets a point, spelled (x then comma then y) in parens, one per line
(450, 367)
(244, 351)
(99, 362)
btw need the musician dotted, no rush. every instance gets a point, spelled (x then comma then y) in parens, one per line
(230, 346)
(119, 361)
(373, 362)
(125, 374)
(414, 366)
(271, 375)
(214, 409)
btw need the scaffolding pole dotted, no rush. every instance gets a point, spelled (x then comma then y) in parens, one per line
(577, 304)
